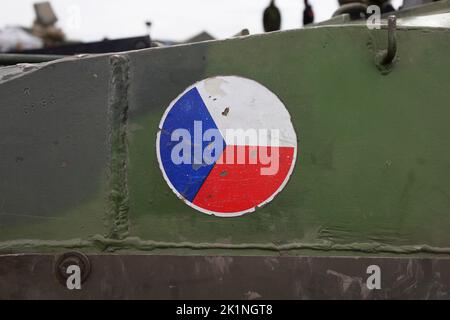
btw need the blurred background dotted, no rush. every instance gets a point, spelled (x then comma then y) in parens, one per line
(35, 25)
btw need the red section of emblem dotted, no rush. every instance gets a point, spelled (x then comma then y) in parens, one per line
(233, 187)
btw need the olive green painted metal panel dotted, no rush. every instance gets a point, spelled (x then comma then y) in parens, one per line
(373, 167)
(373, 148)
(54, 151)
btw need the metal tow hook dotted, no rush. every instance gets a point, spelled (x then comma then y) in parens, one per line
(391, 51)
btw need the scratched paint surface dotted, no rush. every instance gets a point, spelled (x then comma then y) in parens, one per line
(373, 173)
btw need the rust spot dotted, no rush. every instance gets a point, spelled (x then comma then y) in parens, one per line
(225, 112)
(223, 173)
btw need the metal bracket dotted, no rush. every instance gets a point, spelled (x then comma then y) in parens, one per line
(391, 51)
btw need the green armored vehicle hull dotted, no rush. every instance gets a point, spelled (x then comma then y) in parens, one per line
(82, 181)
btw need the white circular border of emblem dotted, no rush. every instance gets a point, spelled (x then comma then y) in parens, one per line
(166, 178)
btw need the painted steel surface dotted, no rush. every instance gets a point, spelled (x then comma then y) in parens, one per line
(79, 166)
(132, 276)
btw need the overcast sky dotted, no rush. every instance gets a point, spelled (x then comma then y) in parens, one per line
(90, 20)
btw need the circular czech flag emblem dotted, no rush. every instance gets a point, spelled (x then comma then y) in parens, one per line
(226, 146)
